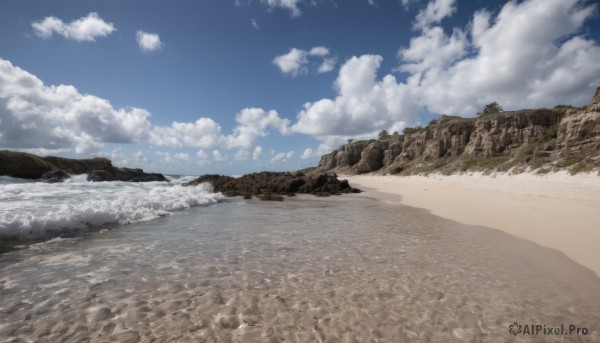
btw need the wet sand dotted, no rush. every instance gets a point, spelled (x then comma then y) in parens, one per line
(557, 211)
(342, 269)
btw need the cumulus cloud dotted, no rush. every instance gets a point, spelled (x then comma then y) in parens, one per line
(84, 29)
(202, 155)
(296, 61)
(217, 156)
(308, 153)
(182, 156)
(258, 150)
(531, 54)
(363, 104)
(148, 41)
(282, 157)
(139, 157)
(203, 133)
(435, 11)
(293, 63)
(34, 115)
(253, 123)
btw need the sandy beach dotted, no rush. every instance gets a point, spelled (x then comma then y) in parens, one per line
(557, 211)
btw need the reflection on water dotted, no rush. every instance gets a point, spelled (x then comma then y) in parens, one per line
(345, 269)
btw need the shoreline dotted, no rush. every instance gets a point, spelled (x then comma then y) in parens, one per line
(557, 210)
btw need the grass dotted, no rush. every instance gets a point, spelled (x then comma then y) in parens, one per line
(308, 170)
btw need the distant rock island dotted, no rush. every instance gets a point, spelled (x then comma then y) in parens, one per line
(271, 185)
(56, 169)
(540, 140)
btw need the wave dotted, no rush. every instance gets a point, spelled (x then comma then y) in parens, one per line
(35, 211)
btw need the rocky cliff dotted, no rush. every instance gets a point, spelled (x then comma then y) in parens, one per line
(56, 169)
(542, 140)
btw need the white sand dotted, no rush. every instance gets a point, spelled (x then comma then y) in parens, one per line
(557, 210)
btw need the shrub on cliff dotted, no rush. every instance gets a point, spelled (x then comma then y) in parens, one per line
(491, 108)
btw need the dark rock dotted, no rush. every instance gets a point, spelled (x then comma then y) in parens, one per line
(55, 169)
(247, 197)
(270, 183)
(54, 176)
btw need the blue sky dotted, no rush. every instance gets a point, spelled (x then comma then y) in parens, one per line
(194, 87)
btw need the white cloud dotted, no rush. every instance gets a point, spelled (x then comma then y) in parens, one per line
(182, 156)
(529, 55)
(433, 49)
(254, 24)
(292, 63)
(203, 133)
(435, 11)
(34, 115)
(202, 155)
(296, 61)
(327, 65)
(84, 29)
(290, 5)
(363, 105)
(308, 153)
(139, 157)
(217, 156)
(148, 41)
(253, 123)
(282, 157)
(320, 51)
(257, 153)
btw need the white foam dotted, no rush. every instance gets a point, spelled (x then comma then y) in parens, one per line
(37, 210)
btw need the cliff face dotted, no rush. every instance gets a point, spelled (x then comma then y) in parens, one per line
(541, 139)
(55, 169)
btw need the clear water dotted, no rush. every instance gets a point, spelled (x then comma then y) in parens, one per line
(341, 269)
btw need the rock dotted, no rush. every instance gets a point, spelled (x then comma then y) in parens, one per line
(270, 197)
(524, 139)
(55, 169)
(54, 176)
(268, 184)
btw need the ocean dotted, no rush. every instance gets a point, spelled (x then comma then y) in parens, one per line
(158, 262)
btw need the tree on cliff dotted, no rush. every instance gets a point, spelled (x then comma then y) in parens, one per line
(384, 135)
(491, 108)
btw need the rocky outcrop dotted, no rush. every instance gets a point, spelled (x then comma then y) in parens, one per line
(267, 184)
(56, 169)
(542, 139)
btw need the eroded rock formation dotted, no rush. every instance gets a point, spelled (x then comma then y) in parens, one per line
(540, 139)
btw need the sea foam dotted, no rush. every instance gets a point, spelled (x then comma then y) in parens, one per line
(38, 210)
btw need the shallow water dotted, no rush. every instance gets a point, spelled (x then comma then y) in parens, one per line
(342, 269)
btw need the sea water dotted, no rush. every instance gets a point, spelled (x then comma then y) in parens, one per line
(338, 269)
(32, 210)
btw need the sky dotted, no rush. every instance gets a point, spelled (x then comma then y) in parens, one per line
(232, 87)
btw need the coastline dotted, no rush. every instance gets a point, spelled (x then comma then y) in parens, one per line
(556, 210)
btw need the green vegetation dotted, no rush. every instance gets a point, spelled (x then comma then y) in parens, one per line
(433, 122)
(410, 130)
(308, 170)
(384, 135)
(589, 126)
(491, 108)
(551, 132)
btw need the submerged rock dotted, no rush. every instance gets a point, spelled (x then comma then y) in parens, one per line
(269, 184)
